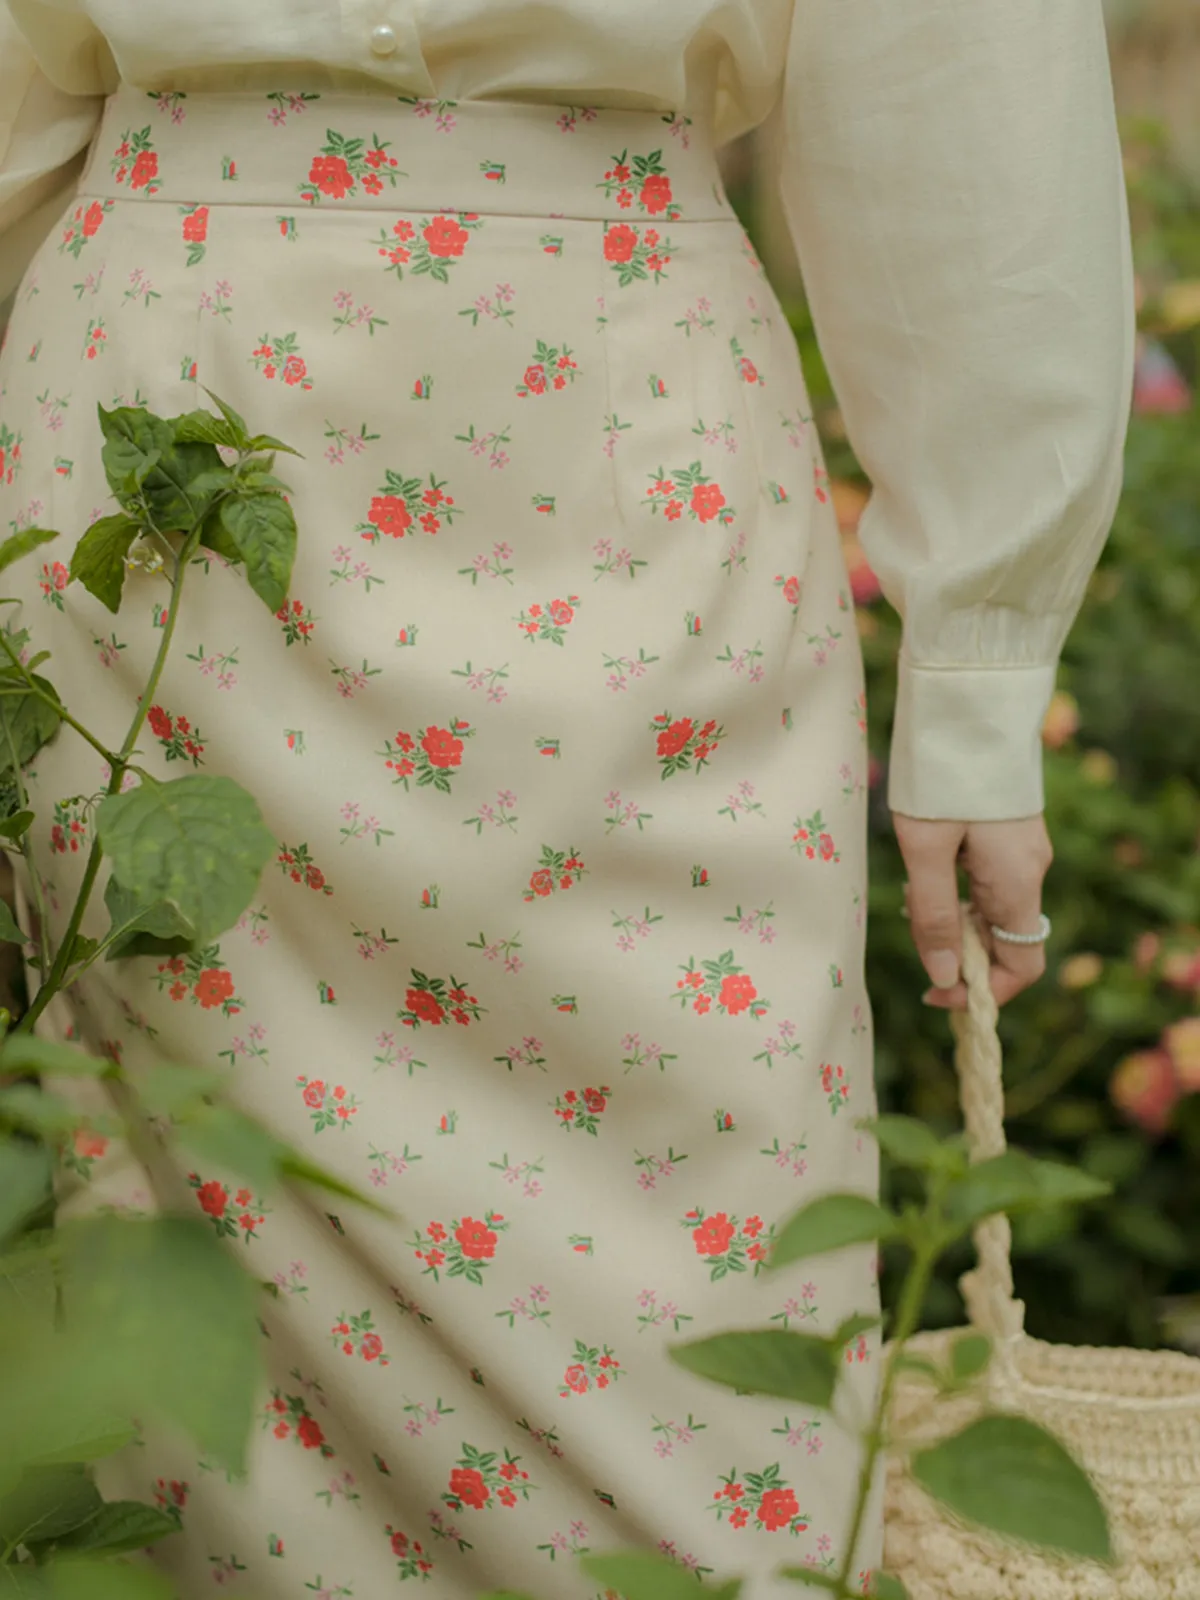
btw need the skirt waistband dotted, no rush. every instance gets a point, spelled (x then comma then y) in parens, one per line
(376, 151)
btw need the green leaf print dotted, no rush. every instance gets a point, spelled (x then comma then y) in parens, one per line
(198, 843)
(98, 561)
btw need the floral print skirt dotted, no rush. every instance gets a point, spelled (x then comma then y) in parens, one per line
(561, 732)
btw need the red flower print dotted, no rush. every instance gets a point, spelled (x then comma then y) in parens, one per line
(707, 500)
(739, 1517)
(542, 881)
(445, 237)
(535, 379)
(310, 1433)
(144, 169)
(777, 1508)
(576, 1378)
(314, 1093)
(442, 748)
(390, 515)
(791, 590)
(737, 991)
(213, 988)
(92, 218)
(713, 1235)
(671, 740)
(372, 1346)
(213, 1197)
(467, 1485)
(656, 194)
(476, 1239)
(399, 1543)
(561, 612)
(331, 175)
(294, 369)
(160, 723)
(594, 1100)
(195, 227)
(620, 242)
(424, 1006)
(87, 1144)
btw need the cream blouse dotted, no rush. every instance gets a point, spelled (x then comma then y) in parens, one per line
(953, 183)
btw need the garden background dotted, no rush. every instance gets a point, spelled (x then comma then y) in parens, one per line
(1102, 1058)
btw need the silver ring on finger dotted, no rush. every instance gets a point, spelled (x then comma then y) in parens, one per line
(1039, 937)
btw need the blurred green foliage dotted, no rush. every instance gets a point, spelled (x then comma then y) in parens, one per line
(1123, 810)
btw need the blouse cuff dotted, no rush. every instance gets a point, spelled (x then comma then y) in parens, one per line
(966, 741)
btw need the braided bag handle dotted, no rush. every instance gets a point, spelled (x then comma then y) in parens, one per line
(988, 1288)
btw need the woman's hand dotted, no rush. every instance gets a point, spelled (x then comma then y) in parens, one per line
(1005, 863)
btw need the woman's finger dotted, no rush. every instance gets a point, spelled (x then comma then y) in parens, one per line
(1006, 865)
(930, 850)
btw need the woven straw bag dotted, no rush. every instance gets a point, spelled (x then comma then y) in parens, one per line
(1130, 1417)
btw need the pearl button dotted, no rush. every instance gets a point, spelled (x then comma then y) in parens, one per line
(383, 40)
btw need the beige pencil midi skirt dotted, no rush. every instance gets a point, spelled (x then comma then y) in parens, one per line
(561, 733)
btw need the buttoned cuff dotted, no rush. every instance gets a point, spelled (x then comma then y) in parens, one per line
(966, 741)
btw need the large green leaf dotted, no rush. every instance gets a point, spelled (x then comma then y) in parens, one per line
(168, 1321)
(25, 1175)
(23, 543)
(131, 438)
(47, 1503)
(78, 1578)
(911, 1143)
(22, 1052)
(16, 826)
(10, 932)
(144, 930)
(98, 561)
(1008, 1475)
(1015, 1182)
(121, 1525)
(263, 529)
(831, 1222)
(27, 722)
(198, 843)
(776, 1361)
(642, 1575)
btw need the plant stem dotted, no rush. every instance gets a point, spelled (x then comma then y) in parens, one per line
(54, 981)
(908, 1316)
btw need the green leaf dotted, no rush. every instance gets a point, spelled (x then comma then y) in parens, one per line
(26, 721)
(776, 1361)
(970, 1356)
(198, 843)
(639, 1575)
(15, 826)
(121, 1525)
(22, 1052)
(911, 1143)
(47, 1503)
(234, 418)
(263, 529)
(910, 1363)
(81, 1579)
(25, 1179)
(23, 544)
(231, 1141)
(168, 1088)
(93, 1447)
(144, 930)
(98, 562)
(264, 441)
(851, 1328)
(1008, 1475)
(214, 537)
(298, 1167)
(10, 932)
(830, 1222)
(201, 427)
(26, 1107)
(165, 1323)
(1016, 1182)
(885, 1587)
(132, 436)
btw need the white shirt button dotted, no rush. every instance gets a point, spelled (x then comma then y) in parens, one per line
(383, 40)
